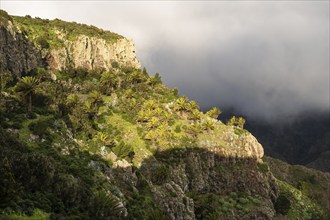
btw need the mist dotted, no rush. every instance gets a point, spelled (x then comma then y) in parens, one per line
(265, 59)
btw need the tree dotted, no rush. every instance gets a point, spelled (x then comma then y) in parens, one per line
(208, 125)
(158, 78)
(195, 115)
(136, 77)
(95, 98)
(27, 86)
(150, 104)
(153, 123)
(240, 122)
(214, 113)
(72, 100)
(105, 206)
(191, 106)
(109, 79)
(236, 121)
(194, 129)
(282, 204)
(232, 121)
(181, 104)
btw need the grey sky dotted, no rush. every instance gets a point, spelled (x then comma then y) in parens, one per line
(265, 58)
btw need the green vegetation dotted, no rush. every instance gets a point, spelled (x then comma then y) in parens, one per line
(47, 33)
(98, 120)
(37, 214)
(295, 205)
(305, 188)
(213, 206)
(236, 121)
(27, 86)
(214, 112)
(125, 114)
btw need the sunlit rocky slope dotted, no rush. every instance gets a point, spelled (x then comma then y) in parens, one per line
(86, 134)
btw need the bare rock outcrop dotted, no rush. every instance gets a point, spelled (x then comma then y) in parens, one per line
(201, 172)
(93, 53)
(17, 54)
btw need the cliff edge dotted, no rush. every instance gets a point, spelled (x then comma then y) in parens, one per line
(27, 43)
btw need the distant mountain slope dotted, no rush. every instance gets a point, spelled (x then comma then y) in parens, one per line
(305, 141)
(312, 183)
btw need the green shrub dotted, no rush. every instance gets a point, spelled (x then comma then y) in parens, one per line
(115, 64)
(171, 122)
(105, 206)
(42, 41)
(177, 129)
(160, 174)
(40, 126)
(282, 204)
(123, 150)
(243, 201)
(263, 167)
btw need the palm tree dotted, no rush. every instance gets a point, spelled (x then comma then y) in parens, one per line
(194, 129)
(195, 115)
(240, 122)
(72, 99)
(208, 125)
(141, 117)
(109, 79)
(95, 98)
(232, 121)
(191, 106)
(135, 78)
(159, 112)
(153, 123)
(27, 86)
(103, 138)
(214, 113)
(181, 104)
(105, 206)
(150, 104)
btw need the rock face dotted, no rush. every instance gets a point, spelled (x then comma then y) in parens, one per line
(93, 53)
(201, 172)
(17, 54)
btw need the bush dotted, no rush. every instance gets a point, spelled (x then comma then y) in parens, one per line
(40, 127)
(263, 167)
(177, 129)
(42, 41)
(115, 64)
(282, 204)
(123, 150)
(160, 174)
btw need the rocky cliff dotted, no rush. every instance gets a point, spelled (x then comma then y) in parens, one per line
(22, 50)
(237, 189)
(17, 54)
(93, 53)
